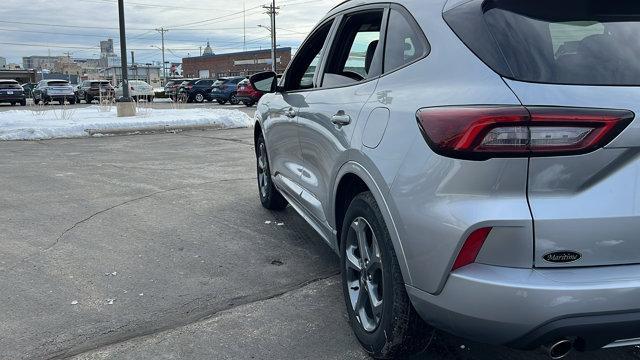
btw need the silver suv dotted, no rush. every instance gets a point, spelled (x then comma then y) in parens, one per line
(475, 164)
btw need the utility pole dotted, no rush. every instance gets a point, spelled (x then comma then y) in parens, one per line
(123, 54)
(125, 106)
(272, 10)
(164, 68)
(244, 21)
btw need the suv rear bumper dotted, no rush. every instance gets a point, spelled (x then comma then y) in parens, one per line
(12, 98)
(525, 308)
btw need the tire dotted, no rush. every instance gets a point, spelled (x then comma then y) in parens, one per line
(233, 100)
(23, 103)
(62, 101)
(88, 99)
(12, 104)
(36, 101)
(150, 99)
(393, 328)
(270, 197)
(199, 98)
(72, 101)
(221, 102)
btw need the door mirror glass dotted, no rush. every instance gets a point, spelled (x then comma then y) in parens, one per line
(265, 82)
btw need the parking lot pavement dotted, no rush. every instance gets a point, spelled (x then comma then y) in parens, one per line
(158, 104)
(156, 246)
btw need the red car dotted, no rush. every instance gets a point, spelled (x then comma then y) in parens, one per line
(247, 94)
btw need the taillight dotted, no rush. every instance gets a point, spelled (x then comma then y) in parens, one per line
(484, 132)
(471, 248)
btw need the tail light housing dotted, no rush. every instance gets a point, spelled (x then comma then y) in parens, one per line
(484, 132)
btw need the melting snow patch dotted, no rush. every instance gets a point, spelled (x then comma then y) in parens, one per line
(74, 302)
(110, 301)
(48, 124)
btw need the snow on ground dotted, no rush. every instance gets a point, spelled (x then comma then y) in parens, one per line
(34, 124)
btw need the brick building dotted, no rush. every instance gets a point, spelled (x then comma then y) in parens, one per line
(234, 64)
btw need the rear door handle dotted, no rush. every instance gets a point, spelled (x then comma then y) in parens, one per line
(291, 113)
(341, 119)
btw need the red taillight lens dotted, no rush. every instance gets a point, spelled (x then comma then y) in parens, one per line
(483, 132)
(471, 248)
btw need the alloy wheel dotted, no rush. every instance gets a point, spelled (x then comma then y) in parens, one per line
(263, 170)
(364, 274)
(199, 98)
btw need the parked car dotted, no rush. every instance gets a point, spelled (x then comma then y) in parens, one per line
(197, 90)
(172, 87)
(224, 90)
(247, 94)
(90, 90)
(183, 89)
(28, 89)
(11, 92)
(138, 90)
(54, 90)
(470, 178)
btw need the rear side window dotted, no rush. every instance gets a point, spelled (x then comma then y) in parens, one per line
(355, 49)
(576, 42)
(405, 41)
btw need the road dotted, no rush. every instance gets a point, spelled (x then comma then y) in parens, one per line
(156, 246)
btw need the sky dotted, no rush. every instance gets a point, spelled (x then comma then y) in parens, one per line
(40, 27)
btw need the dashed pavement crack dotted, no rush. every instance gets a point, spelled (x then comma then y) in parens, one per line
(124, 203)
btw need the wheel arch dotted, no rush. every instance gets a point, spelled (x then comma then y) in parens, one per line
(353, 179)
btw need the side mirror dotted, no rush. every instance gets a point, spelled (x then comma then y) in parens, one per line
(266, 82)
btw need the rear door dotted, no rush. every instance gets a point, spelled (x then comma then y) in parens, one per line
(578, 54)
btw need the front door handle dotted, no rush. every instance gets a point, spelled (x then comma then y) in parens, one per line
(291, 113)
(341, 119)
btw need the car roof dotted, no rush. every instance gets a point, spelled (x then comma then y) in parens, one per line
(348, 4)
(9, 81)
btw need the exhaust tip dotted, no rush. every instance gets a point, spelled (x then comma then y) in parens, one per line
(559, 349)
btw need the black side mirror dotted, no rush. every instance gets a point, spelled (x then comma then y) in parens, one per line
(266, 82)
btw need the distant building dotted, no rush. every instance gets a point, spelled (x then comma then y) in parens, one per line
(108, 57)
(234, 64)
(149, 74)
(22, 76)
(40, 62)
(12, 67)
(3, 62)
(106, 47)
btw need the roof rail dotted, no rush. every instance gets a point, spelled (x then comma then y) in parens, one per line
(340, 4)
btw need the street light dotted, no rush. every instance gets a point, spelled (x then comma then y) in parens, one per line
(164, 63)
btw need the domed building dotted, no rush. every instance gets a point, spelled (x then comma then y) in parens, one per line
(208, 51)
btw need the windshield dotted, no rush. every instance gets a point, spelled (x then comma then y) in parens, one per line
(591, 42)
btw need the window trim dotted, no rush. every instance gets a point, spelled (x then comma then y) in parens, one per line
(322, 53)
(337, 20)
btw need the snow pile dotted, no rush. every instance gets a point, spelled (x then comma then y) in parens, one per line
(74, 123)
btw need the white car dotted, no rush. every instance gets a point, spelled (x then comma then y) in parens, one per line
(138, 90)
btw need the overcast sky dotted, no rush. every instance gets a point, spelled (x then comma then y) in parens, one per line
(37, 27)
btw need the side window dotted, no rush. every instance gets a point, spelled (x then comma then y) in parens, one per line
(300, 73)
(405, 41)
(356, 51)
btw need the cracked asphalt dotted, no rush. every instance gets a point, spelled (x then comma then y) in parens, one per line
(156, 247)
